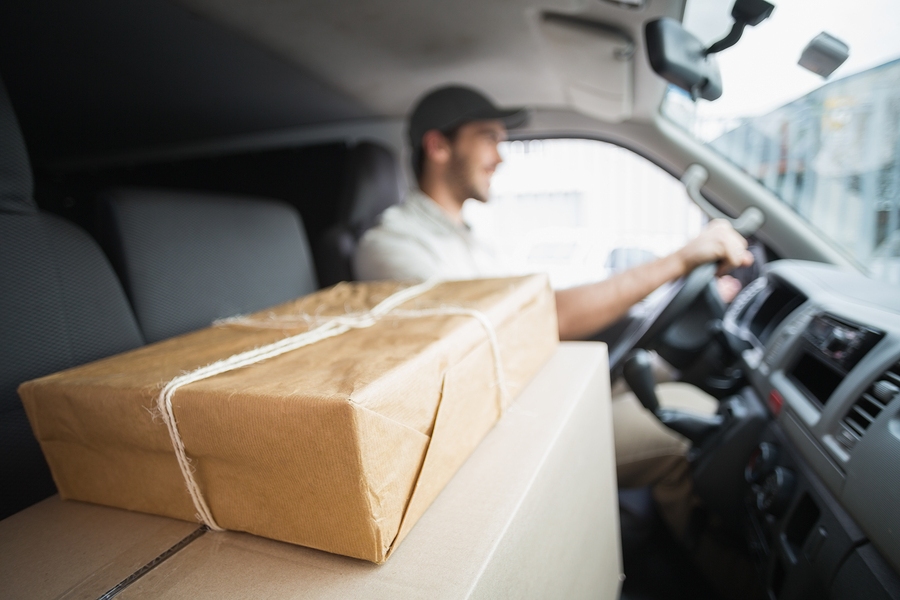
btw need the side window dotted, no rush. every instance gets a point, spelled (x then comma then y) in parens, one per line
(581, 210)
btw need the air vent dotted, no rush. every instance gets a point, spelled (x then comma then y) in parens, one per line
(868, 406)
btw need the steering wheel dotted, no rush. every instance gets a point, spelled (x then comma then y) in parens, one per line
(680, 296)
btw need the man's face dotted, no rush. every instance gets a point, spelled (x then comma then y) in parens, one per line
(474, 158)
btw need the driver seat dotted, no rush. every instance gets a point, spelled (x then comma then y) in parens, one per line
(371, 185)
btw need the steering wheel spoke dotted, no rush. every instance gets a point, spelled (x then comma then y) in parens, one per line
(644, 332)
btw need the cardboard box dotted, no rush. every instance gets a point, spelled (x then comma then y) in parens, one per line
(531, 514)
(74, 550)
(340, 445)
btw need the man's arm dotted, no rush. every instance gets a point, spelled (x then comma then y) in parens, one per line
(583, 311)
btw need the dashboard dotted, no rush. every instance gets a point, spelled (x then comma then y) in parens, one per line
(820, 346)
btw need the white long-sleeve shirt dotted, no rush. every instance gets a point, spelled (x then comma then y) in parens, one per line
(418, 240)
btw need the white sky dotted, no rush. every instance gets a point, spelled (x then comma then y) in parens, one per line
(761, 73)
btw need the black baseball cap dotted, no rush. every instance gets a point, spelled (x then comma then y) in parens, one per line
(449, 107)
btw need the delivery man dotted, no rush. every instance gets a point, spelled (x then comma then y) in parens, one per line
(454, 132)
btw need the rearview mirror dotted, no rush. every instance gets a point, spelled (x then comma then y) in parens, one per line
(679, 57)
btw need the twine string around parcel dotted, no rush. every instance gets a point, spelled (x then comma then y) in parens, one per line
(331, 327)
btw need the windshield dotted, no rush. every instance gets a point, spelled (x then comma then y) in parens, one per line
(828, 148)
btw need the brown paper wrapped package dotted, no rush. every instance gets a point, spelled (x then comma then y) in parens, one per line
(340, 445)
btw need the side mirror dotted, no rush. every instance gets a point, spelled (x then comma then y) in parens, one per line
(680, 58)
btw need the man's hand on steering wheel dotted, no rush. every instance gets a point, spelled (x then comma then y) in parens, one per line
(719, 243)
(716, 251)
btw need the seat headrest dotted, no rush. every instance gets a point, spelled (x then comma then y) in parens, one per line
(16, 186)
(371, 184)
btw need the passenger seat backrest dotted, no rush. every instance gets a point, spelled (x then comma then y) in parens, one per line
(371, 185)
(188, 258)
(61, 305)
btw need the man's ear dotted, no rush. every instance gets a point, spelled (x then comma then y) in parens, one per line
(435, 147)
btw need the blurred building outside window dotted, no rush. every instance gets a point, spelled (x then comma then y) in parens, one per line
(581, 210)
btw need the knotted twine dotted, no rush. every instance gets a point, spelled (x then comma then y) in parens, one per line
(332, 327)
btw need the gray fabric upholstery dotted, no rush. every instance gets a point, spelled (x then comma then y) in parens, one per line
(61, 306)
(371, 184)
(15, 169)
(188, 258)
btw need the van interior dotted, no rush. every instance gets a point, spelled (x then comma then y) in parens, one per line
(167, 163)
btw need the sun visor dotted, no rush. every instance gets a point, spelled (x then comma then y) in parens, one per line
(593, 63)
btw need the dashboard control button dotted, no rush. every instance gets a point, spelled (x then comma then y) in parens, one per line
(776, 491)
(776, 402)
(885, 391)
(847, 438)
(761, 462)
